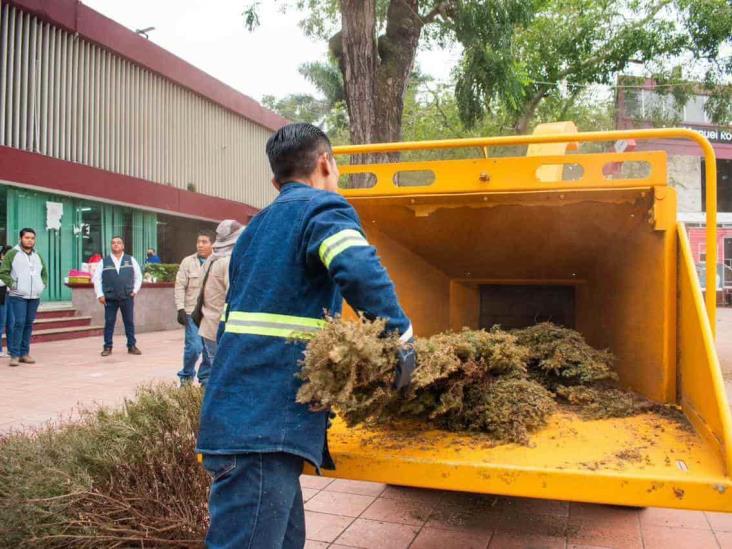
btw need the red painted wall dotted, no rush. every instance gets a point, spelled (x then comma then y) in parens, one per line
(46, 173)
(697, 239)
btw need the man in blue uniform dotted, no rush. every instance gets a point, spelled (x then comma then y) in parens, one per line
(299, 257)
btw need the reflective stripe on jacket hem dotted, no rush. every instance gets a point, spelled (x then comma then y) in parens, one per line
(275, 325)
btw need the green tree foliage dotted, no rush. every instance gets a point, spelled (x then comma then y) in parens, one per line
(522, 60)
(585, 42)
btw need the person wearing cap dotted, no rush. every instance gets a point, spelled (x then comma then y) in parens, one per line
(215, 284)
(299, 257)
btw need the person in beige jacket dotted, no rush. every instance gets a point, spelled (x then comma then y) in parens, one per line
(187, 285)
(216, 277)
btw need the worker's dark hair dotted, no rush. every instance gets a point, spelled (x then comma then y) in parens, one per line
(208, 234)
(27, 230)
(293, 150)
(118, 236)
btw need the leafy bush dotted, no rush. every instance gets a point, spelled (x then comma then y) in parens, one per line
(116, 478)
(161, 272)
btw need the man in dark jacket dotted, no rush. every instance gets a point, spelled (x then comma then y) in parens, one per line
(116, 284)
(299, 256)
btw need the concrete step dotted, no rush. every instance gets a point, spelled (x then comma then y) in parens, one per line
(56, 313)
(74, 332)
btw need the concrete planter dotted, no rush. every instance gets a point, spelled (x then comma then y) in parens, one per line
(154, 307)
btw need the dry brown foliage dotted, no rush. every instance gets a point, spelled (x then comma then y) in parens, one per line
(502, 383)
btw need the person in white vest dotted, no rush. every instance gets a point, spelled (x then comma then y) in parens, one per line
(116, 284)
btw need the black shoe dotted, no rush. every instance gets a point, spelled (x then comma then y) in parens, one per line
(107, 351)
(134, 350)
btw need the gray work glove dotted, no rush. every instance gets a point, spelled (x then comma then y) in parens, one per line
(182, 317)
(406, 363)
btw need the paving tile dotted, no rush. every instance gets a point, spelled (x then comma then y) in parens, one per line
(593, 511)
(433, 538)
(308, 493)
(360, 487)
(604, 526)
(576, 546)
(663, 537)
(339, 503)
(720, 522)
(310, 544)
(531, 505)
(724, 539)
(403, 512)
(481, 520)
(515, 540)
(676, 518)
(372, 534)
(414, 494)
(461, 520)
(324, 527)
(311, 481)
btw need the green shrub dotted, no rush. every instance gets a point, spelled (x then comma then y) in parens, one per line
(162, 272)
(116, 478)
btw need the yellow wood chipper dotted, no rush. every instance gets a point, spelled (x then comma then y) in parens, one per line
(483, 239)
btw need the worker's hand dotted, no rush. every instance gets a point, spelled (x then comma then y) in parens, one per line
(132, 294)
(406, 363)
(102, 300)
(182, 317)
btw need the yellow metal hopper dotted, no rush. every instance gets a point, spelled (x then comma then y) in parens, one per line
(499, 239)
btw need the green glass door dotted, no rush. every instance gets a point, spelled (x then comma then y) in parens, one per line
(58, 247)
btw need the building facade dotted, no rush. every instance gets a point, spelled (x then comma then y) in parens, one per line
(102, 132)
(639, 105)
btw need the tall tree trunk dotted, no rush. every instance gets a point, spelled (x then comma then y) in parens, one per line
(397, 51)
(359, 61)
(523, 122)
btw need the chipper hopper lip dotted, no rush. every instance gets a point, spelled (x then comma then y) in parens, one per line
(645, 460)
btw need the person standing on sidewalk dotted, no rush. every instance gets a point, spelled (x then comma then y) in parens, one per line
(24, 273)
(116, 284)
(187, 286)
(3, 306)
(212, 297)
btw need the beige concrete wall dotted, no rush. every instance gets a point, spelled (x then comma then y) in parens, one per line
(154, 309)
(684, 173)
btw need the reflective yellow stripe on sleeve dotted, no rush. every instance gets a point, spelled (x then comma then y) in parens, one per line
(275, 325)
(339, 242)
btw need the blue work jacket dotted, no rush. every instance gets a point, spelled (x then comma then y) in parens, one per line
(297, 259)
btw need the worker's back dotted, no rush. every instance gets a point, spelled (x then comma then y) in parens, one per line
(276, 298)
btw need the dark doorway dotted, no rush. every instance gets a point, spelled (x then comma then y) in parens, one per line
(521, 306)
(724, 186)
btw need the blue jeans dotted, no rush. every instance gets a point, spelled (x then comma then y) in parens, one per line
(127, 307)
(21, 314)
(211, 347)
(255, 501)
(193, 349)
(3, 323)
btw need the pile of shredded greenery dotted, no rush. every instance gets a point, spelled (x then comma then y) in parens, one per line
(505, 384)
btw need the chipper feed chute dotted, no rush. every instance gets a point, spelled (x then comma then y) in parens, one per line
(514, 240)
